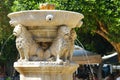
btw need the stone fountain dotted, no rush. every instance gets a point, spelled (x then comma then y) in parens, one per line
(45, 42)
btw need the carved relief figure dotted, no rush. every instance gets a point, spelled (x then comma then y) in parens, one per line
(71, 43)
(25, 44)
(47, 6)
(61, 45)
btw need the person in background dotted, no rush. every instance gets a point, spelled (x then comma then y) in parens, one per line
(109, 77)
(118, 76)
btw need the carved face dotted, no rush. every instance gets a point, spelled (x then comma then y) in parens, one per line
(64, 30)
(17, 30)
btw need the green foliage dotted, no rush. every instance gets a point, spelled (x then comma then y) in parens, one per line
(24, 5)
(9, 52)
(8, 78)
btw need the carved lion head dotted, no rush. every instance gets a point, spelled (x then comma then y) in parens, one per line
(17, 30)
(64, 31)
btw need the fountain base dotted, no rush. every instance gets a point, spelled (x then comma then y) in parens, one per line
(45, 70)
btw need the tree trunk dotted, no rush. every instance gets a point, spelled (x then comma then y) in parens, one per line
(102, 31)
(117, 48)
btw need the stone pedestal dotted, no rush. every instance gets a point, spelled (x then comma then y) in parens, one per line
(45, 70)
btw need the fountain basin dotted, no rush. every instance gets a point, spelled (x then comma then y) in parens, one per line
(39, 18)
(43, 24)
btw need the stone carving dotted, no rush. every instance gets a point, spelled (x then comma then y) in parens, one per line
(25, 44)
(71, 43)
(47, 6)
(61, 48)
(63, 45)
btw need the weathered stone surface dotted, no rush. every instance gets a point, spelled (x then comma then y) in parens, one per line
(45, 70)
(33, 18)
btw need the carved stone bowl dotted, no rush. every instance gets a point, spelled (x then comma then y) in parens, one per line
(43, 23)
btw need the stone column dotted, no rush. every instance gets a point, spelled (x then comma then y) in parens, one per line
(45, 70)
